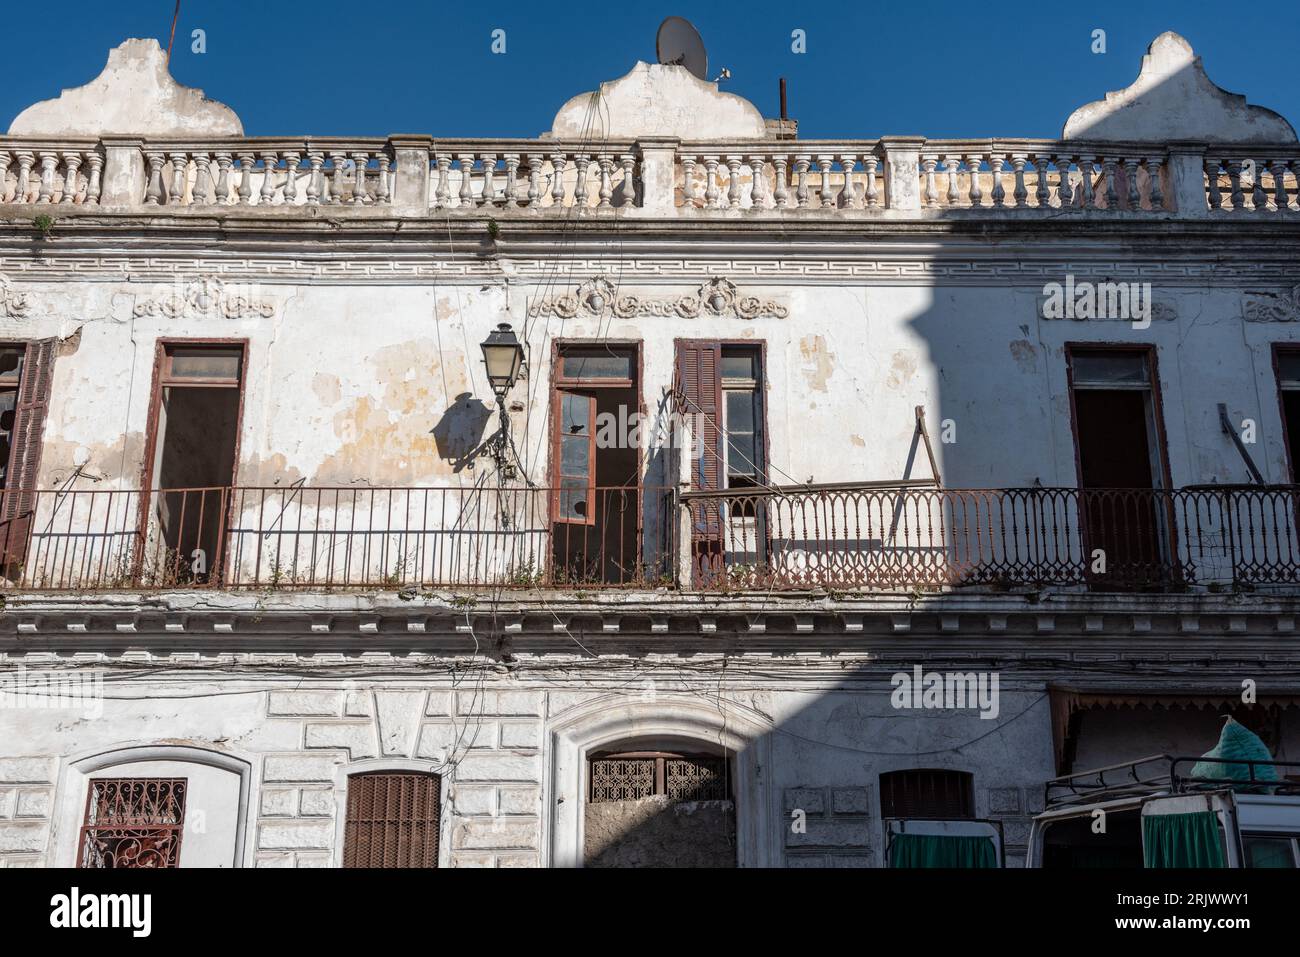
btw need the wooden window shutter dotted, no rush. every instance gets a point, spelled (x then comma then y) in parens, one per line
(16, 513)
(392, 820)
(699, 379)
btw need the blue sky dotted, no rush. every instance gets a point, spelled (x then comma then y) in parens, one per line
(941, 70)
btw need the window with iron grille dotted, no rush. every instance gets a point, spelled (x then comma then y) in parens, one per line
(133, 822)
(392, 820)
(630, 775)
(923, 793)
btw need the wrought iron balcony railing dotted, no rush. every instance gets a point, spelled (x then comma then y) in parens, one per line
(828, 537)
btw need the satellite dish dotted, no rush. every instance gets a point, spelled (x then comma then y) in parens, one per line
(679, 44)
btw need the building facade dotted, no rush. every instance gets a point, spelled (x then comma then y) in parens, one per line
(839, 482)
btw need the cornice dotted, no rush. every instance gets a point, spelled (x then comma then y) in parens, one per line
(1052, 626)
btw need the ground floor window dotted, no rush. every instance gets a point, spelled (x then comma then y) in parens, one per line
(392, 820)
(133, 822)
(925, 793)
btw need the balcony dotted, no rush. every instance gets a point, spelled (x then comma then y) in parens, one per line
(828, 538)
(418, 176)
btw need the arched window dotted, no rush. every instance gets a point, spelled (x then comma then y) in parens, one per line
(392, 819)
(155, 806)
(927, 793)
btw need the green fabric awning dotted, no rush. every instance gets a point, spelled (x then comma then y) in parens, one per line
(1182, 840)
(941, 850)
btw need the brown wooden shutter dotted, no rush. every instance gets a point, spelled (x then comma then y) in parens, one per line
(392, 821)
(19, 504)
(699, 379)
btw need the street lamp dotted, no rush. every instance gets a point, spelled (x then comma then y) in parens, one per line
(503, 356)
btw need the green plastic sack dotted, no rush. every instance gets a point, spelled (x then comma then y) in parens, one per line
(1236, 743)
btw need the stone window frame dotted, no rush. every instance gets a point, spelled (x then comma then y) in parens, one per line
(690, 725)
(74, 781)
(343, 772)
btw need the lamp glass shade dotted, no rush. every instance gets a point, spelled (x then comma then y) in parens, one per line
(503, 356)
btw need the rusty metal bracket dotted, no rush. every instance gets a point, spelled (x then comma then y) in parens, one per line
(929, 449)
(1229, 431)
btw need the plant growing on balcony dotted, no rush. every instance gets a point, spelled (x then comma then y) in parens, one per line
(44, 224)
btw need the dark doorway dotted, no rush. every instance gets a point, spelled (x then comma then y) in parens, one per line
(595, 455)
(1287, 362)
(659, 809)
(1117, 436)
(195, 434)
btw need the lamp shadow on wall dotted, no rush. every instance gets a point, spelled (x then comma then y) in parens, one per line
(459, 433)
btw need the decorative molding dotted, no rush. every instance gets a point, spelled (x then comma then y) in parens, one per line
(1272, 307)
(206, 297)
(717, 297)
(13, 305)
(641, 269)
(1160, 312)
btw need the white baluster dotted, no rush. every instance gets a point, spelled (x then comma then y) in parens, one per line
(1280, 201)
(153, 193)
(1155, 197)
(442, 195)
(23, 186)
(825, 163)
(1112, 192)
(951, 164)
(801, 165)
(49, 162)
(1064, 191)
(223, 178)
(180, 166)
(95, 183)
(512, 180)
(359, 193)
(848, 198)
(758, 190)
(1042, 194)
(928, 164)
(1086, 162)
(1237, 199)
(266, 195)
(246, 163)
(558, 161)
(629, 179)
(466, 195)
(534, 180)
(871, 161)
(688, 180)
(71, 163)
(489, 195)
(605, 194)
(1131, 171)
(781, 195)
(291, 163)
(580, 162)
(315, 161)
(5, 159)
(1259, 198)
(383, 182)
(712, 195)
(999, 193)
(1214, 194)
(202, 179)
(1020, 193)
(973, 163)
(733, 182)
